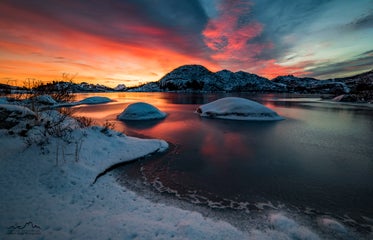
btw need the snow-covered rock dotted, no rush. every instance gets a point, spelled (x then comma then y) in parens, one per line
(11, 110)
(95, 100)
(141, 111)
(237, 109)
(44, 99)
(11, 115)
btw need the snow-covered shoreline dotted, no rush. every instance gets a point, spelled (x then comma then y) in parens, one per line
(48, 191)
(61, 199)
(59, 195)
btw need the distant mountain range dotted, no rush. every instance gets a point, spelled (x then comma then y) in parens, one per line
(191, 78)
(197, 78)
(70, 86)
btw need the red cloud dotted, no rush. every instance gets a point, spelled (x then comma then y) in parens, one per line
(227, 38)
(230, 43)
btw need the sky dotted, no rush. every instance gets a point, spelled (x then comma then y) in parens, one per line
(136, 41)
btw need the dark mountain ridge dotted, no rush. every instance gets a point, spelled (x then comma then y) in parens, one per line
(192, 78)
(197, 78)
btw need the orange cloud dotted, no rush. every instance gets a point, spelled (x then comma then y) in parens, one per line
(270, 69)
(35, 46)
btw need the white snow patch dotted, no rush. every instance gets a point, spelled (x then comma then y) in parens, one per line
(52, 186)
(44, 99)
(17, 110)
(141, 111)
(338, 98)
(291, 228)
(3, 100)
(53, 189)
(235, 108)
(89, 100)
(333, 225)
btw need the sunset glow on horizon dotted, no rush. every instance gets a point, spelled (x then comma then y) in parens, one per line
(132, 42)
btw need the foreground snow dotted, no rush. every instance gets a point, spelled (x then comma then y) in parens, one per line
(141, 111)
(51, 186)
(237, 109)
(63, 201)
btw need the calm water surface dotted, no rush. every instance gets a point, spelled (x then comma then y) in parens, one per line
(320, 159)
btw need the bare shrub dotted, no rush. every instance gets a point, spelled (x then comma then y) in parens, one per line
(56, 125)
(107, 126)
(59, 90)
(84, 121)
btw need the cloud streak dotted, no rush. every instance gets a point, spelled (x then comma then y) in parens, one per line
(344, 68)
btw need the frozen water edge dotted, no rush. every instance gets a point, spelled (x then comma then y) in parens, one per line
(62, 200)
(261, 220)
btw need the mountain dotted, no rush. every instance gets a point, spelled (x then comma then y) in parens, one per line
(247, 82)
(81, 87)
(65, 86)
(191, 77)
(312, 85)
(361, 86)
(198, 78)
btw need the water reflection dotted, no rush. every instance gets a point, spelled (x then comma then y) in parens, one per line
(144, 124)
(222, 147)
(320, 156)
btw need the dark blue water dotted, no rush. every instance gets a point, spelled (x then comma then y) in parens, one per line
(319, 160)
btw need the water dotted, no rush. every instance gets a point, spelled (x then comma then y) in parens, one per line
(318, 161)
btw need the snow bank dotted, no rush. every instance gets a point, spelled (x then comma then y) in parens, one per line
(291, 228)
(112, 148)
(237, 109)
(141, 111)
(95, 100)
(332, 225)
(3, 100)
(89, 100)
(44, 99)
(50, 184)
(16, 111)
(51, 187)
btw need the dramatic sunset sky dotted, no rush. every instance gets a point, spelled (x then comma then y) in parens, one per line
(135, 41)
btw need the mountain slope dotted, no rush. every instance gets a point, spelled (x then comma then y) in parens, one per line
(199, 78)
(191, 77)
